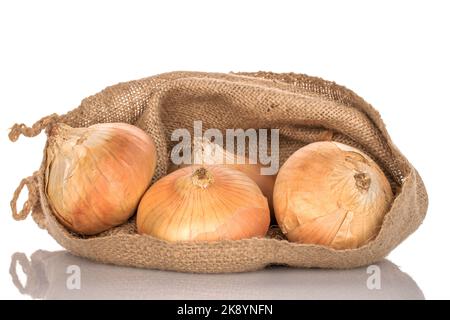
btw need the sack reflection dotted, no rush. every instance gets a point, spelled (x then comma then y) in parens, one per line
(61, 275)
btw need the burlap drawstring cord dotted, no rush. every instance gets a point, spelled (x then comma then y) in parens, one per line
(35, 129)
(33, 197)
(30, 182)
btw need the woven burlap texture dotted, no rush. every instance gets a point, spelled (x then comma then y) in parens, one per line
(305, 109)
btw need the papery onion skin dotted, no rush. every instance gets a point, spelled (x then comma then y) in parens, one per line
(230, 160)
(96, 176)
(224, 204)
(331, 194)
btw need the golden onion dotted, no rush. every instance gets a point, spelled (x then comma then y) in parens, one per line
(96, 176)
(205, 203)
(331, 194)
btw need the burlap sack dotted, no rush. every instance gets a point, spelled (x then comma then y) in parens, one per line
(305, 109)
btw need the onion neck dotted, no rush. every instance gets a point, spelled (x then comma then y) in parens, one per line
(202, 178)
(362, 181)
(61, 134)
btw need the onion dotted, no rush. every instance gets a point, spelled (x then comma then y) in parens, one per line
(96, 176)
(209, 153)
(203, 203)
(331, 194)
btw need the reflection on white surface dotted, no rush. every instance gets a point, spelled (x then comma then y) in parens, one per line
(60, 275)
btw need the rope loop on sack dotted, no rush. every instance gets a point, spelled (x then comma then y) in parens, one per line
(21, 129)
(30, 183)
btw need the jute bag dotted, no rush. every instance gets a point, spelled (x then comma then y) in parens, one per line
(304, 109)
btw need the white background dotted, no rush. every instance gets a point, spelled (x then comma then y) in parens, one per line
(395, 54)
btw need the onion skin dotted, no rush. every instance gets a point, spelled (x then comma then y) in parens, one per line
(331, 194)
(265, 182)
(96, 176)
(229, 160)
(219, 204)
